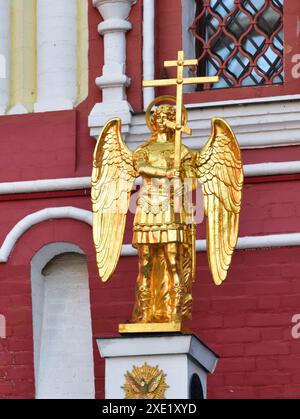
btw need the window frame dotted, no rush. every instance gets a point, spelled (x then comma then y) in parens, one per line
(291, 57)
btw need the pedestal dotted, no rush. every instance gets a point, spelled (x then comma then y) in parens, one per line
(170, 366)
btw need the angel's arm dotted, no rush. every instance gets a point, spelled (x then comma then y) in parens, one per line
(144, 168)
(150, 171)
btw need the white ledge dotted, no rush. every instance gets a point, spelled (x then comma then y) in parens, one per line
(67, 184)
(253, 242)
(46, 185)
(272, 169)
(257, 124)
(238, 102)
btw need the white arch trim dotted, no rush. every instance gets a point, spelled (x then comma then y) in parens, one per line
(36, 218)
(253, 242)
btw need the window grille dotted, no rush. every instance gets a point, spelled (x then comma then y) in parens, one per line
(240, 40)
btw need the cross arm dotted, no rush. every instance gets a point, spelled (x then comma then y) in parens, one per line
(185, 63)
(201, 80)
(158, 83)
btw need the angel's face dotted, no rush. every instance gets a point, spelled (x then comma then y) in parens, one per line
(163, 114)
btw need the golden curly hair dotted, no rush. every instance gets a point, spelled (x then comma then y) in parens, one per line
(168, 109)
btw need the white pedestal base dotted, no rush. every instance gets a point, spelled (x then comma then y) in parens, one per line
(184, 359)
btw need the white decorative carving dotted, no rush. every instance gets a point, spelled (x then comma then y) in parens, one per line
(114, 80)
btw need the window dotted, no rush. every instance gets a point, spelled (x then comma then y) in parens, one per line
(253, 45)
(241, 41)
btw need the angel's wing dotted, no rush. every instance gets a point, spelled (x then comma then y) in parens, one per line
(112, 180)
(220, 170)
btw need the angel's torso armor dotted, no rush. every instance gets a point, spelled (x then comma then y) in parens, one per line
(164, 208)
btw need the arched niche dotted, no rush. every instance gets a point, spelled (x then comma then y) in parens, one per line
(63, 348)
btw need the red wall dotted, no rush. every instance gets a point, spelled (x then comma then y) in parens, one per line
(247, 321)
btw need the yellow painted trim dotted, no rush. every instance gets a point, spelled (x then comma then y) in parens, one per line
(82, 50)
(23, 53)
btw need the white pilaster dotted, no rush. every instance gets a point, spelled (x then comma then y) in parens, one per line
(4, 55)
(148, 49)
(114, 80)
(56, 55)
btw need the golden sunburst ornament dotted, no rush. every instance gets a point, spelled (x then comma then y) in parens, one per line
(145, 382)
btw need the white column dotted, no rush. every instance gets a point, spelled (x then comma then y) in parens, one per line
(148, 49)
(4, 55)
(114, 80)
(56, 55)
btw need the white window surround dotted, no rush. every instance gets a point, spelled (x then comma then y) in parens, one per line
(54, 297)
(253, 242)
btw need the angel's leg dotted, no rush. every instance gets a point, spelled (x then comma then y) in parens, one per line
(142, 308)
(173, 254)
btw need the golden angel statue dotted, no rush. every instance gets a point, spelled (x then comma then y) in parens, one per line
(163, 230)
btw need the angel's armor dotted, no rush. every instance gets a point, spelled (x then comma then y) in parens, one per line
(163, 233)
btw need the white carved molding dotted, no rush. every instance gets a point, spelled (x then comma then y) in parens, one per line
(4, 55)
(258, 124)
(56, 55)
(148, 49)
(36, 218)
(114, 80)
(69, 184)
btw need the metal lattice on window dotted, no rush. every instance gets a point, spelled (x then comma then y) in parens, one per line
(240, 40)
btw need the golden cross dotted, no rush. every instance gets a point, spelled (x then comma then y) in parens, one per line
(180, 81)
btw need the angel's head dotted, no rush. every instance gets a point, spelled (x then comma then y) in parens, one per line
(161, 115)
